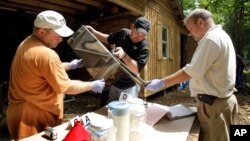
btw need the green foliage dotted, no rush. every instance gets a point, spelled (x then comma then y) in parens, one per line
(233, 15)
(221, 9)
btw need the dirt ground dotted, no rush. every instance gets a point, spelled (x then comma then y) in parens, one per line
(89, 102)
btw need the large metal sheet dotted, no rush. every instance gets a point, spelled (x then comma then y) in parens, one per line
(98, 60)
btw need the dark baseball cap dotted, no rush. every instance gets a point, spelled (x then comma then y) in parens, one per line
(142, 24)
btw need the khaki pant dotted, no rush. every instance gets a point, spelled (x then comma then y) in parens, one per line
(215, 119)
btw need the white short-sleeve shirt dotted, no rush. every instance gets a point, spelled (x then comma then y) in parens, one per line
(213, 66)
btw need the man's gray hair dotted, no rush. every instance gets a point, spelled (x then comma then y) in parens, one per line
(198, 13)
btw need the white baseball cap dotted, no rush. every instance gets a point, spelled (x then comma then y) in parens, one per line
(52, 20)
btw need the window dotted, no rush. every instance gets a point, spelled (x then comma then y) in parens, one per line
(163, 42)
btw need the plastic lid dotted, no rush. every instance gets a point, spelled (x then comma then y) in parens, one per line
(135, 101)
(118, 108)
(138, 108)
(102, 123)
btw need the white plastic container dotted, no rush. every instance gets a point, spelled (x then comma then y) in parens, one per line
(102, 130)
(119, 112)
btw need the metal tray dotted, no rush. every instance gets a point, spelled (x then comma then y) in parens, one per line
(98, 60)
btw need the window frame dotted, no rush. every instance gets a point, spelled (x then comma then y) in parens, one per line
(163, 54)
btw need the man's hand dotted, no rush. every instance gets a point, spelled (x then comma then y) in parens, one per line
(155, 84)
(90, 28)
(119, 53)
(98, 85)
(76, 63)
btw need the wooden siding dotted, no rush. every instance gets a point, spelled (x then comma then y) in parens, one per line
(159, 13)
(100, 15)
(136, 6)
(115, 23)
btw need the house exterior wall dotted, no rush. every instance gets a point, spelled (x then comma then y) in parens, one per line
(160, 13)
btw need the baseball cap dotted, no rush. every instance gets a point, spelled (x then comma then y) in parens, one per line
(142, 24)
(52, 20)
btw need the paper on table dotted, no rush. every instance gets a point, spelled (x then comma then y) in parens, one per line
(180, 111)
(157, 111)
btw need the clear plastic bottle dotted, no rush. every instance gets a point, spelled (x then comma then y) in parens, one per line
(137, 118)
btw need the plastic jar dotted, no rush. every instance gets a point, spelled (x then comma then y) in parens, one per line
(102, 130)
(119, 112)
(137, 118)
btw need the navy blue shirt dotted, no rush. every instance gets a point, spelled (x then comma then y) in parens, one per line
(137, 51)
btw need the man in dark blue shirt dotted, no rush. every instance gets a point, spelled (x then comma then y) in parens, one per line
(131, 47)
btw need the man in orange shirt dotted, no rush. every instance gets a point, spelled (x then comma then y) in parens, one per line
(38, 79)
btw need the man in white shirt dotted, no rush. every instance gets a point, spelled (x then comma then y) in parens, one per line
(211, 72)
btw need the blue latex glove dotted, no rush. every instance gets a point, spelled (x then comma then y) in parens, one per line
(155, 84)
(76, 63)
(98, 85)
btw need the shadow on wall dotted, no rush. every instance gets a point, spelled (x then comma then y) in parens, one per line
(13, 31)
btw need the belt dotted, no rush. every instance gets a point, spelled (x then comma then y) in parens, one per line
(208, 99)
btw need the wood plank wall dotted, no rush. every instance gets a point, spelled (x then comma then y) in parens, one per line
(136, 6)
(159, 12)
